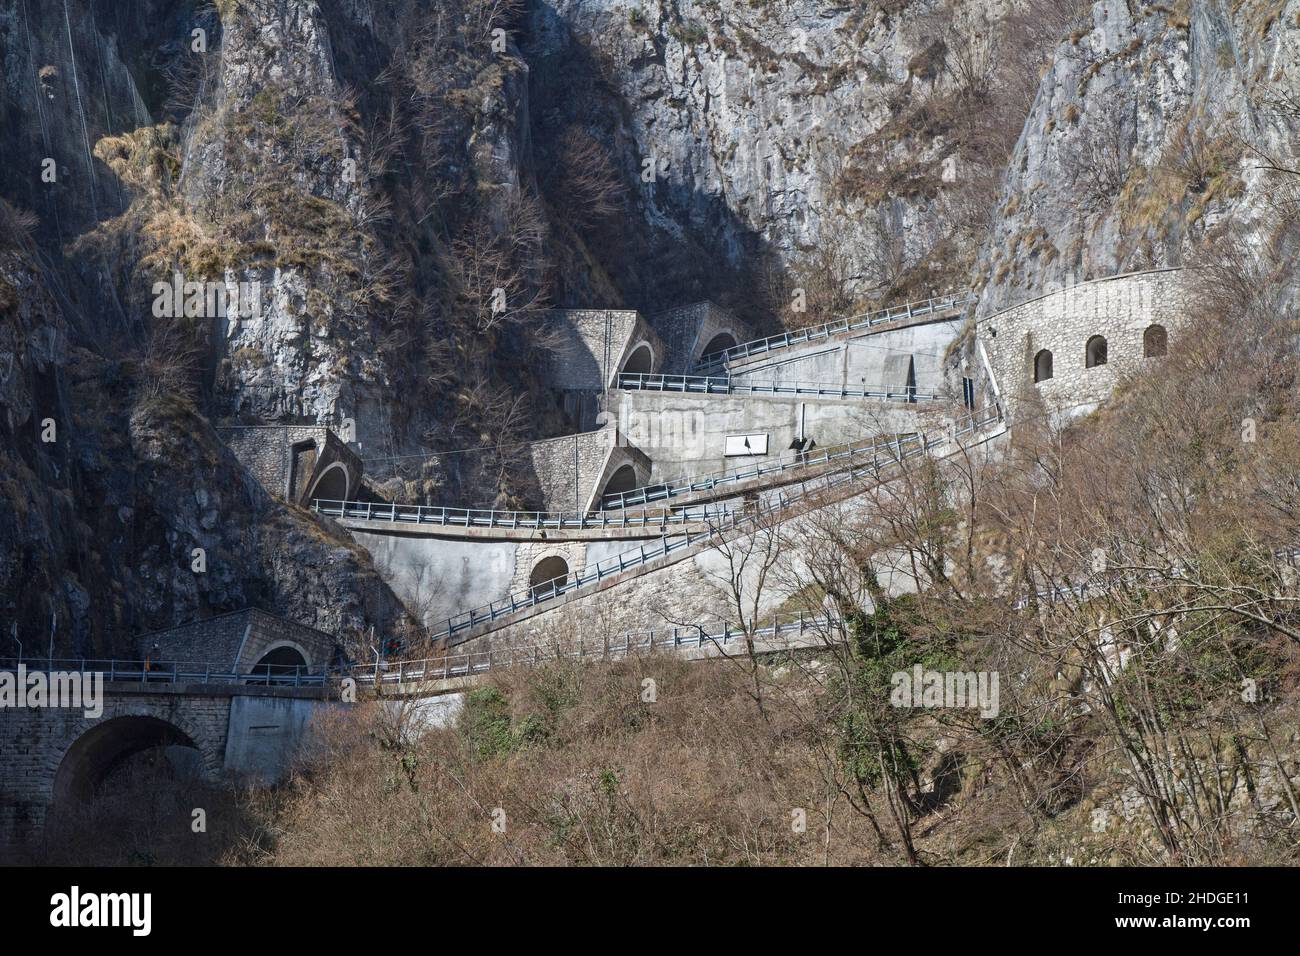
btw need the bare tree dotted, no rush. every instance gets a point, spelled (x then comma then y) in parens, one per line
(1100, 158)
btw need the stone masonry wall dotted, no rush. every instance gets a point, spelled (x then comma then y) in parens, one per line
(268, 630)
(267, 452)
(568, 468)
(529, 553)
(236, 640)
(214, 641)
(595, 344)
(687, 329)
(33, 743)
(1120, 308)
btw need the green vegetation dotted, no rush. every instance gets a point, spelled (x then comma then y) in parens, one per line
(688, 33)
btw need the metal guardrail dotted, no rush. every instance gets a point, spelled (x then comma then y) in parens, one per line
(466, 664)
(903, 449)
(149, 671)
(722, 385)
(1058, 592)
(835, 327)
(487, 518)
(686, 484)
(634, 642)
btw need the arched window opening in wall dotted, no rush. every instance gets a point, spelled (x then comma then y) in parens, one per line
(1155, 341)
(1094, 352)
(1042, 366)
(549, 574)
(640, 362)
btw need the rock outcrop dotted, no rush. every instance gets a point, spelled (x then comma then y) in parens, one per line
(1151, 133)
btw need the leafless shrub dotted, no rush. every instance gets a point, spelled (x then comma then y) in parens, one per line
(582, 183)
(499, 265)
(16, 226)
(169, 363)
(1100, 157)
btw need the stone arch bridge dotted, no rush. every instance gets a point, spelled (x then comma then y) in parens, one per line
(58, 756)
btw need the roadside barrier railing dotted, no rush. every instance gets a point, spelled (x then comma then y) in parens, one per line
(864, 320)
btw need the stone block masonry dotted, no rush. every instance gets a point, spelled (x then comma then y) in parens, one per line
(595, 344)
(1120, 309)
(568, 468)
(296, 463)
(55, 757)
(691, 330)
(35, 742)
(237, 641)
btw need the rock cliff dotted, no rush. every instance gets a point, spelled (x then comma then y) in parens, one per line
(409, 186)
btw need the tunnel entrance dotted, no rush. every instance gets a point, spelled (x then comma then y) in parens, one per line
(548, 575)
(640, 362)
(624, 479)
(719, 343)
(280, 661)
(332, 486)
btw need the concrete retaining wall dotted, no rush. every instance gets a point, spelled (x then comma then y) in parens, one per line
(686, 434)
(867, 358)
(266, 734)
(694, 585)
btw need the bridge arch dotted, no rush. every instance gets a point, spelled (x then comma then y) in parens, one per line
(105, 746)
(548, 574)
(332, 485)
(641, 361)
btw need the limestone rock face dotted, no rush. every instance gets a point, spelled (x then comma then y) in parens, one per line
(376, 168)
(278, 139)
(122, 515)
(752, 118)
(1150, 129)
